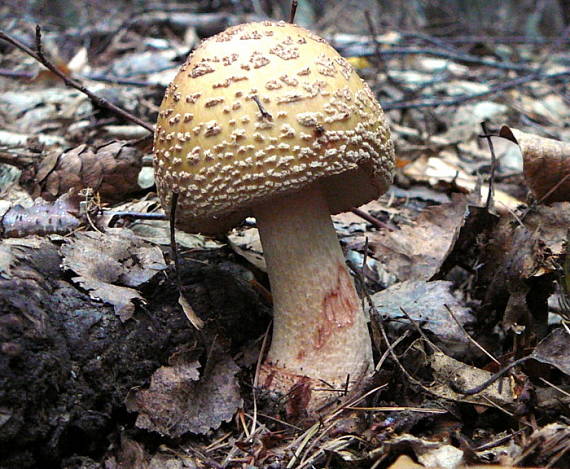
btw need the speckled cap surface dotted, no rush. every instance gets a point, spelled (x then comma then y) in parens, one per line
(261, 110)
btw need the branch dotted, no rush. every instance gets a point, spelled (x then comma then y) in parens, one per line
(366, 50)
(71, 82)
(391, 105)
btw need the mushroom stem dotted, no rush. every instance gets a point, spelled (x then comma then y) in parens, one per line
(319, 327)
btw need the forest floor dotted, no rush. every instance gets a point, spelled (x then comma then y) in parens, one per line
(462, 265)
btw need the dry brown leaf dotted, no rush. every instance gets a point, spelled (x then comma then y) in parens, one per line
(546, 164)
(133, 455)
(417, 252)
(514, 260)
(247, 244)
(551, 222)
(130, 455)
(524, 258)
(445, 370)
(425, 303)
(447, 168)
(179, 401)
(553, 349)
(154, 231)
(109, 263)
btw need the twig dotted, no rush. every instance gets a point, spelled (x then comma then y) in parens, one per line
(553, 188)
(420, 331)
(115, 216)
(471, 339)
(490, 381)
(102, 78)
(500, 40)
(121, 81)
(555, 46)
(262, 110)
(18, 160)
(445, 45)
(330, 419)
(535, 203)
(71, 82)
(173, 250)
(293, 11)
(389, 345)
(399, 409)
(256, 376)
(282, 422)
(499, 442)
(372, 32)
(365, 50)
(491, 192)
(391, 105)
(15, 74)
(384, 356)
(372, 220)
(379, 57)
(559, 389)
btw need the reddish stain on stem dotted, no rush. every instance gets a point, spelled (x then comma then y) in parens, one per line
(338, 308)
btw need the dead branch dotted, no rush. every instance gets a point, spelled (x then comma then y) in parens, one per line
(477, 389)
(365, 49)
(72, 82)
(421, 103)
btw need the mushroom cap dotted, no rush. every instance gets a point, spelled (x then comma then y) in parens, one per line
(261, 110)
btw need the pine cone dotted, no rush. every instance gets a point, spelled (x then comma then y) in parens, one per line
(110, 170)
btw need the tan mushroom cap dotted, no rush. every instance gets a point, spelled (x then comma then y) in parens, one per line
(260, 110)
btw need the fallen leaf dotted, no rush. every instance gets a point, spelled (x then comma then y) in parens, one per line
(429, 453)
(425, 303)
(446, 369)
(247, 244)
(416, 252)
(553, 350)
(444, 168)
(546, 164)
(190, 313)
(109, 263)
(551, 222)
(179, 401)
(514, 258)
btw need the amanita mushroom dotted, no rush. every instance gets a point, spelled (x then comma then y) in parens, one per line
(267, 119)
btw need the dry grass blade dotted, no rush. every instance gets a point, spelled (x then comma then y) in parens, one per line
(399, 409)
(300, 443)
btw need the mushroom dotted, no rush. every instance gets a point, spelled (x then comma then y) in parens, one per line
(267, 119)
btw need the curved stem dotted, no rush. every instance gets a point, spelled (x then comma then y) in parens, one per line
(319, 328)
